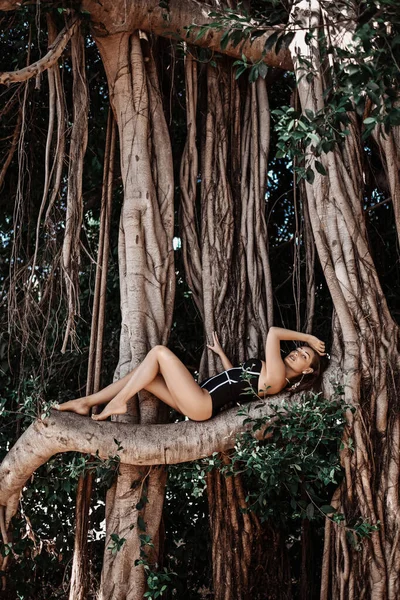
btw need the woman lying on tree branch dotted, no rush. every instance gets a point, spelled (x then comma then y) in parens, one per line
(165, 376)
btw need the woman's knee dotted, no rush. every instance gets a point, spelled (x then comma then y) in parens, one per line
(161, 351)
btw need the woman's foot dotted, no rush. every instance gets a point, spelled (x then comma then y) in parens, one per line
(117, 406)
(80, 406)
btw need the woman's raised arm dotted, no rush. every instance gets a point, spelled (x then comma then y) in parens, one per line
(276, 372)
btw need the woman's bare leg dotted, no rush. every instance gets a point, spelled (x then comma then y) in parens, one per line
(189, 398)
(83, 405)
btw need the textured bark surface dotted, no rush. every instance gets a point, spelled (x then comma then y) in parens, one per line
(147, 283)
(74, 214)
(80, 580)
(56, 48)
(108, 18)
(367, 348)
(227, 267)
(153, 444)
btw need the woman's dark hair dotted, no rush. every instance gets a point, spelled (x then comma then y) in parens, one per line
(311, 381)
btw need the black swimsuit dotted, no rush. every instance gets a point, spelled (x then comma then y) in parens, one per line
(233, 384)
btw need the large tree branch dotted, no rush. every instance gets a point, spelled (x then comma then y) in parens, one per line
(141, 444)
(54, 53)
(121, 16)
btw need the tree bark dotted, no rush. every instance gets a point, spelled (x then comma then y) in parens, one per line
(109, 18)
(51, 58)
(74, 213)
(153, 444)
(369, 355)
(80, 574)
(227, 268)
(147, 281)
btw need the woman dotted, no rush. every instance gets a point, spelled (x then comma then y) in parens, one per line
(165, 376)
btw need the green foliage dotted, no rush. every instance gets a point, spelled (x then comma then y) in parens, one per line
(104, 470)
(187, 549)
(367, 72)
(302, 136)
(360, 530)
(239, 26)
(157, 579)
(364, 77)
(116, 543)
(290, 474)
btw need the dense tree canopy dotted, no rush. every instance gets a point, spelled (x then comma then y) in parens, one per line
(167, 169)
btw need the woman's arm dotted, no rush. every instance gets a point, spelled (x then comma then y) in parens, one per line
(297, 336)
(217, 348)
(275, 380)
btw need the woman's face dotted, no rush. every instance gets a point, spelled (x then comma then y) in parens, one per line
(300, 359)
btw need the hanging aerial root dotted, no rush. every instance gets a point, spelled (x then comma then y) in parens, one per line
(12, 148)
(97, 327)
(74, 215)
(188, 185)
(79, 574)
(47, 174)
(54, 53)
(3, 560)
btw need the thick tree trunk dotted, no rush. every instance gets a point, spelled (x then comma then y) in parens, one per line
(227, 267)
(368, 350)
(147, 284)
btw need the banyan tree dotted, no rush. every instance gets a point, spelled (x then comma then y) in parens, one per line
(328, 74)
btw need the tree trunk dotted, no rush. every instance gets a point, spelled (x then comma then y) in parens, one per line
(147, 287)
(368, 350)
(227, 267)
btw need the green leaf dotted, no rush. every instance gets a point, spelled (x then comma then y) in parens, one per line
(271, 41)
(239, 71)
(200, 34)
(310, 511)
(288, 38)
(225, 40)
(373, 97)
(253, 74)
(302, 125)
(310, 175)
(320, 168)
(314, 137)
(279, 43)
(327, 509)
(263, 70)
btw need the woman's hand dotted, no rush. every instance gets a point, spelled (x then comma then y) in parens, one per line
(317, 345)
(216, 346)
